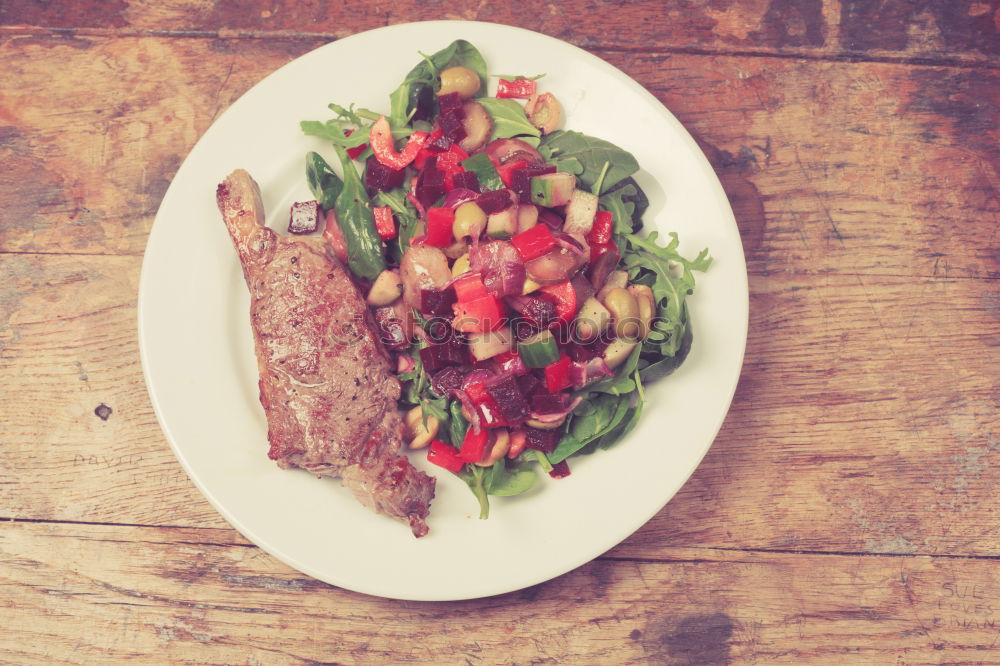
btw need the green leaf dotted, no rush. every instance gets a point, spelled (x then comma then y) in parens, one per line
(593, 154)
(457, 424)
(673, 282)
(627, 202)
(509, 119)
(458, 53)
(507, 480)
(354, 216)
(324, 183)
(474, 477)
(534, 455)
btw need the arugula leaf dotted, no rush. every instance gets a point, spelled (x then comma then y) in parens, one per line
(509, 119)
(627, 202)
(673, 283)
(593, 154)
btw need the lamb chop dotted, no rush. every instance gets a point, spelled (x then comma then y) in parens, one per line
(325, 379)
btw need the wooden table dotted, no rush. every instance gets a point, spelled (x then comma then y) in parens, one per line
(847, 513)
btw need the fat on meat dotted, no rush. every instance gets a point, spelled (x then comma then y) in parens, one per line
(326, 383)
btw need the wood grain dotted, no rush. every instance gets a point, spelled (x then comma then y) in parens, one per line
(831, 167)
(116, 593)
(845, 513)
(961, 30)
(854, 387)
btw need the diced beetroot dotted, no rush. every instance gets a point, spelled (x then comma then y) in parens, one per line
(539, 312)
(580, 351)
(451, 124)
(466, 179)
(392, 329)
(549, 403)
(528, 383)
(303, 218)
(509, 400)
(560, 470)
(448, 379)
(450, 101)
(440, 144)
(381, 178)
(430, 183)
(437, 302)
(452, 351)
(495, 201)
(541, 440)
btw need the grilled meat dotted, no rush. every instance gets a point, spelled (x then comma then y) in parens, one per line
(325, 379)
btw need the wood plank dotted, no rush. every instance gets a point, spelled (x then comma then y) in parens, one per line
(963, 30)
(854, 387)
(832, 167)
(87, 593)
(73, 402)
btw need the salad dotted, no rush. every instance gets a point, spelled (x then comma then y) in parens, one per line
(503, 266)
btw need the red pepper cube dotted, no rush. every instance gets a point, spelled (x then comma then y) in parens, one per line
(557, 374)
(476, 392)
(507, 170)
(450, 160)
(601, 232)
(519, 88)
(385, 224)
(439, 224)
(445, 455)
(479, 315)
(563, 297)
(534, 242)
(474, 445)
(469, 287)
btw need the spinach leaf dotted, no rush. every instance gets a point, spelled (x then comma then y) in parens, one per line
(406, 216)
(593, 154)
(507, 480)
(354, 216)
(475, 477)
(324, 183)
(508, 119)
(534, 455)
(457, 424)
(628, 421)
(404, 103)
(606, 412)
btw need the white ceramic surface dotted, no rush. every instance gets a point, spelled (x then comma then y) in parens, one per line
(197, 350)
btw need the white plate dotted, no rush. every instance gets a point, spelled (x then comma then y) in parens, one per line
(197, 349)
